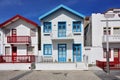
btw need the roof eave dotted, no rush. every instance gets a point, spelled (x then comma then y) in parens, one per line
(61, 6)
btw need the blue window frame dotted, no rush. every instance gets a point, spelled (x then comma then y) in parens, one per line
(47, 49)
(62, 51)
(47, 27)
(77, 53)
(77, 26)
(61, 29)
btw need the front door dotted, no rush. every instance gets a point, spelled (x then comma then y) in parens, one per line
(61, 29)
(14, 34)
(116, 55)
(14, 54)
(77, 53)
(61, 52)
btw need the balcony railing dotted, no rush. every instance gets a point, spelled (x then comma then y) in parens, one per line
(17, 59)
(19, 39)
(62, 36)
(112, 38)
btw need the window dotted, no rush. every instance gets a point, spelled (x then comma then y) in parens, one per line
(76, 26)
(47, 49)
(116, 52)
(30, 50)
(7, 32)
(47, 27)
(7, 50)
(0, 37)
(32, 32)
(61, 29)
(105, 31)
(116, 30)
(105, 51)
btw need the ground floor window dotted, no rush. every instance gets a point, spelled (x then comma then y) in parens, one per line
(47, 49)
(30, 50)
(105, 52)
(7, 50)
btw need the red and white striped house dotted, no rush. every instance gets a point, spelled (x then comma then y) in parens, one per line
(19, 38)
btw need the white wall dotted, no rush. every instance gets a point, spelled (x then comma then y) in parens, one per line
(23, 29)
(97, 24)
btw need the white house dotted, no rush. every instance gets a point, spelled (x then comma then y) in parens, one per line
(1, 42)
(62, 35)
(95, 36)
(19, 40)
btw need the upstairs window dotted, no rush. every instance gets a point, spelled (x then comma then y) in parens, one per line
(7, 32)
(76, 26)
(116, 30)
(105, 31)
(47, 49)
(105, 52)
(33, 32)
(47, 27)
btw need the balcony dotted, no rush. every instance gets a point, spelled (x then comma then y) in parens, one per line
(68, 36)
(112, 38)
(19, 39)
(17, 59)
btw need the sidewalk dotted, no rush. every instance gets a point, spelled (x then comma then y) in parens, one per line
(114, 74)
(94, 73)
(48, 75)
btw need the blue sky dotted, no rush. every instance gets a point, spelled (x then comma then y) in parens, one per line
(32, 9)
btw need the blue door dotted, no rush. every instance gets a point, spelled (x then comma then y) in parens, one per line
(61, 29)
(77, 53)
(61, 52)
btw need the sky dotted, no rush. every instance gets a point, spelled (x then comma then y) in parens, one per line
(32, 9)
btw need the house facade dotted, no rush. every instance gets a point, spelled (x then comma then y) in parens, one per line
(1, 43)
(95, 36)
(62, 35)
(19, 40)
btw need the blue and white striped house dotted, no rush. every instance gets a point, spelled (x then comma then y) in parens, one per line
(62, 35)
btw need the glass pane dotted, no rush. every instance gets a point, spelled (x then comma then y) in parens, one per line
(115, 52)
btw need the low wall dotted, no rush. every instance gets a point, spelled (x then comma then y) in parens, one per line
(15, 66)
(61, 66)
(43, 66)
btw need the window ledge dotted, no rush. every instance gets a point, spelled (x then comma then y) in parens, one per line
(46, 33)
(77, 33)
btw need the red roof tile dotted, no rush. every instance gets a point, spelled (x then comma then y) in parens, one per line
(9, 21)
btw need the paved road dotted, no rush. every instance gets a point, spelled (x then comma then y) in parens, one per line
(93, 74)
(114, 74)
(47, 75)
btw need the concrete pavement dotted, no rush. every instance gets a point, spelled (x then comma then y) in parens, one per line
(94, 73)
(47, 75)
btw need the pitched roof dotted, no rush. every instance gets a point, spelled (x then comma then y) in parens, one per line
(64, 7)
(15, 18)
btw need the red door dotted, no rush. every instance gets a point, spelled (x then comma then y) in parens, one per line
(14, 54)
(14, 34)
(116, 55)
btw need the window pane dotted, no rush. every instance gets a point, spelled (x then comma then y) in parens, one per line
(77, 26)
(7, 50)
(31, 50)
(7, 32)
(32, 32)
(47, 27)
(116, 30)
(47, 49)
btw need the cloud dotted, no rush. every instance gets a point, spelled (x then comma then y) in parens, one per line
(4, 3)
